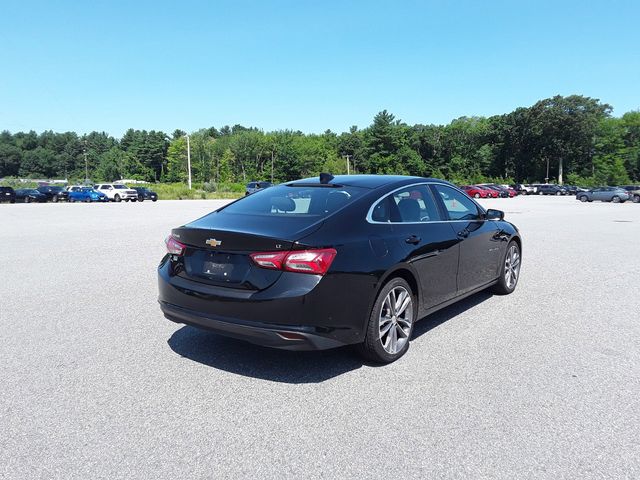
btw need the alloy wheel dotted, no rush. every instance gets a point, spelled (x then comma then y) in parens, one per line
(512, 266)
(396, 319)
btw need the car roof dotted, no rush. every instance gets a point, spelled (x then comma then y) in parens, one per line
(369, 181)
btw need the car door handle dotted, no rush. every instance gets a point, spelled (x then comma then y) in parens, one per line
(413, 240)
(464, 233)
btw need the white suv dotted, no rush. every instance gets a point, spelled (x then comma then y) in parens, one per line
(117, 192)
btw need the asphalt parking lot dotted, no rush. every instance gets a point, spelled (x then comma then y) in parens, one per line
(544, 383)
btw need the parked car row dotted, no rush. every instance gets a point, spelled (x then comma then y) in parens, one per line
(104, 192)
(489, 190)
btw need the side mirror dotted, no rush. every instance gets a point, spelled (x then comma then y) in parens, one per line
(493, 214)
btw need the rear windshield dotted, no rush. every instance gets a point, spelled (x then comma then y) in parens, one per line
(297, 202)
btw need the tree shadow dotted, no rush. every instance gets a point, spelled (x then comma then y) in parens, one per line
(242, 358)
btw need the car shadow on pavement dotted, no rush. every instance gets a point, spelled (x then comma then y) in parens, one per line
(284, 366)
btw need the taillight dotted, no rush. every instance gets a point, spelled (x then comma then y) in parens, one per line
(272, 261)
(174, 247)
(316, 262)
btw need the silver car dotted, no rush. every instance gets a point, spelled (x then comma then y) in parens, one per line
(604, 194)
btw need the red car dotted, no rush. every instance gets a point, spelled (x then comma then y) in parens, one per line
(475, 192)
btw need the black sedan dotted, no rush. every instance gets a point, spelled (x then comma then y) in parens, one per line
(146, 194)
(7, 194)
(29, 195)
(357, 260)
(54, 193)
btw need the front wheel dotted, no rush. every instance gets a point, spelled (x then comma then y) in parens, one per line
(55, 199)
(583, 198)
(510, 271)
(477, 195)
(27, 200)
(117, 198)
(390, 323)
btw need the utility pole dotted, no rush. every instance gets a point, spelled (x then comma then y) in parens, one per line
(271, 166)
(189, 159)
(348, 168)
(86, 164)
(546, 180)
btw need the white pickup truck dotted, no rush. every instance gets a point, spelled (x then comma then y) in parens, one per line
(117, 192)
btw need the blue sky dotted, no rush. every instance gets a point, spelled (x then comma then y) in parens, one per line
(305, 65)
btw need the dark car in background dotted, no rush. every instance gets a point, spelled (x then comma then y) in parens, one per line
(604, 194)
(549, 189)
(146, 194)
(7, 194)
(54, 193)
(253, 187)
(357, 260)
(570, 189)
(30, 195)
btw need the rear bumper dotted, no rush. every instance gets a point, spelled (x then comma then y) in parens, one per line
(285, 337)
(327, 311)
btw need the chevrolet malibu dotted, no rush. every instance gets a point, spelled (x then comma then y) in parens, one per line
(355, 260)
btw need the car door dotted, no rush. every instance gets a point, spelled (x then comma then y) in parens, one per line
(479, 239)
(599, 194)
(428, 243)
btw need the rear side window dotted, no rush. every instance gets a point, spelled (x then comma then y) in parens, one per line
(412, 204)
(290, 201)
(458, 205)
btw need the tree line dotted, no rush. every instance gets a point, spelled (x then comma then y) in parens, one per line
(573, 138)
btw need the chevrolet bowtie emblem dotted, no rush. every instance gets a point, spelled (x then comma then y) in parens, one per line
(213, 242)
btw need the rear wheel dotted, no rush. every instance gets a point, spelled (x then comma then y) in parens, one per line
(636, 199)
(615, 199)
(390, 323)
(510, 271)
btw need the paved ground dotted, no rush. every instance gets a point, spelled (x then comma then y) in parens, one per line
(95, 383)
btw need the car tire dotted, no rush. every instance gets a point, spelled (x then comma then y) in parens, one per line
(509, 274)
(154, 199)
(117, 198)
(477, 195)
(27, 200)
(141, 199)
(636, 199)
(54, 199)
(87, 200)
(558, 193)
(382, 343)
(615, 199)
(583, 198)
